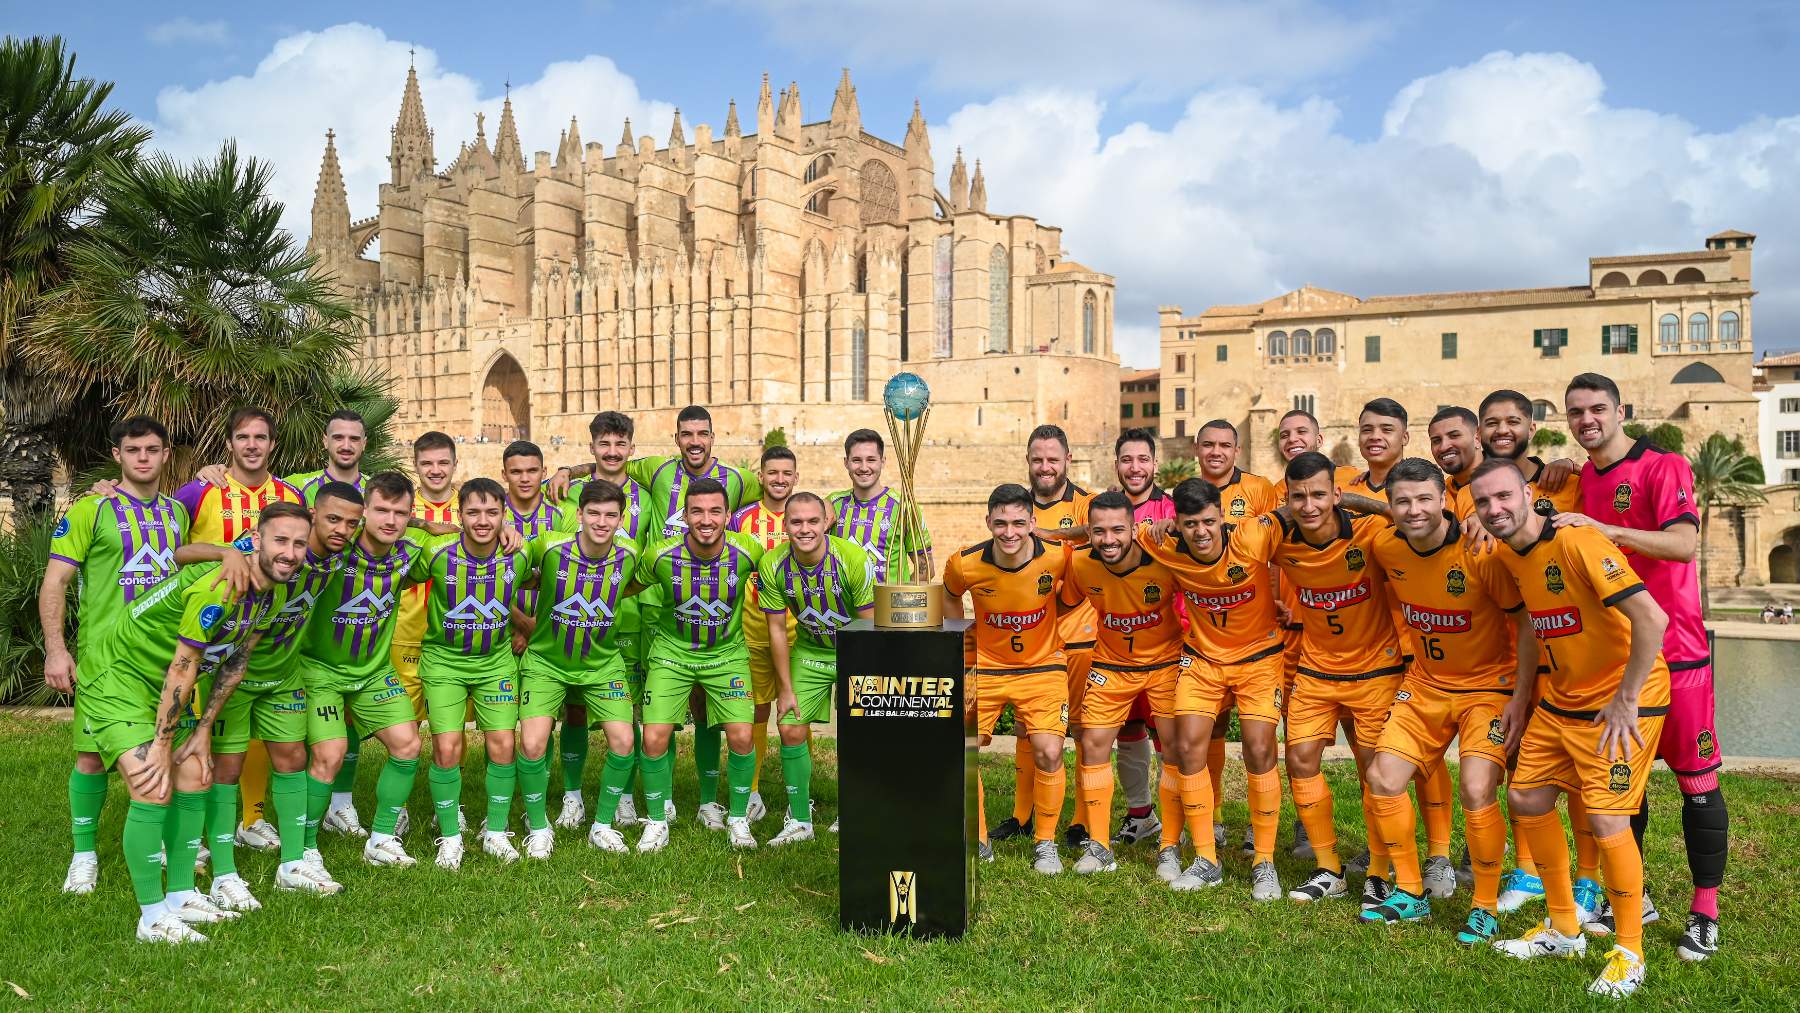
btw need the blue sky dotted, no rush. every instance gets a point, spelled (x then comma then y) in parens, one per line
(1205, 152)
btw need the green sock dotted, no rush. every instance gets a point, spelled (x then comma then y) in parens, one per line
(708, 742)
(87, 796)
(346, 775)
(740, 770)
(534, 783)
(287, 793)
(181, 838)
(446, 792)
(615, 781)
(143, 844)
(392, 789)
(796, 772)
(501, 780)
(221, 828)
(659, 781)
(318, 799)
(574, 755)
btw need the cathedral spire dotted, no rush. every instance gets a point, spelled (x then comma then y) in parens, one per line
(959, 183)
(765, 112)
(731, 121)
(626, 140)
(506, 143)
(846, 117)
(787, 117)
(677, 136)
(331, 202)
(978, 190)
(918, 142)
(410, 152)
(570, 150)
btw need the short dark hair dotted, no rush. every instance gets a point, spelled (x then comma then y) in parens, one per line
(520, 448)
(599, 490)
(433, 440)
(705, 487)
(242, 415)
(278, 510)
(1597, 382)
(1219, 424)
(338, 490)
(1137, 434)
(345, 415)
(390, 484)
(135, 426)
(612, 424)
(1455, 412)
(1305, 466)
(1193, 495)
(809, 497)
(1494, 464)
(1049, 432)
(693, 413)
(1384, 407)
(1505, 396)
(1008, 494)
(865, 436)
(1303, 413)
(479, 487)
(1110, 500)
(1416, 469)
(777, 454)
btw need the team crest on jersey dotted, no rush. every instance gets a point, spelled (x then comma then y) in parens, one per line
(1618, 778)
(1543, 506)
(1495, 735)
(1706, 744)
(1553, 579)
(1456, 582)
(1354, 559)
(1152, 594)
(210, 616)
(1236, 574)
(1622, 497)
(1046, 583)
(1238, 507)
(1066, 522)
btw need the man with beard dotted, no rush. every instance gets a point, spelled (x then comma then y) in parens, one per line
(346, 438)
(1134, 462)
(1506, 431)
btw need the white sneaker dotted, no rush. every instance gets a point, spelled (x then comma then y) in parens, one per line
(1439, 877)
(737, 831)
(834, 824)
(498, 843)
(540, 843)
(1095, 858)
(756, 810)
(655, 836)
(233, 894)
(1265, 882)
(344, 821)
(402, 822)
(167, 928)
(626, 814)
(1623, 974)
(1168, 863)
(573, 813)
(84, 873)
(1543, 941)
(793, 831)
(201, 911)
(259, 836)
(387, 851)
(449, 852)
(607, 838)
(1045, 860)
(305, 877)
(202, 858)
(712, 816)
(462, 821)
(669, 811)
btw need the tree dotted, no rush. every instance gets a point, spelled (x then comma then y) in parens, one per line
(1175, 470)
(186, 300)
(1545, 438)
(1665, 436)
(1724, 475)
(57, 143)
(776, 437)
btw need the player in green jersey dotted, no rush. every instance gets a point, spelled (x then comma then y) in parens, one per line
(573, 655)
(698, 642)
(865, 512)
(466, 659)
(141, 709)
(824, 582)
(119, 548)
(345, 441)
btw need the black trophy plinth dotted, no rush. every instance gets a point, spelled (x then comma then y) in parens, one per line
(906, 780)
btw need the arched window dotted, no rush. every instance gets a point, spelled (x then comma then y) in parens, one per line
(819, 203)
(999, 300)
(1090, 313)
(1303, 344)
(1689, 276)
(940, 296)
(1653, 277)
(1278, 344)
(1614, 279)
(859, 361)
(1324, 342)
(1698, 372)
(505, 402)
(820, 166)
(1541, 409)
(880, 193)
(1728, 326)
(1668, 329)
(1698, 330)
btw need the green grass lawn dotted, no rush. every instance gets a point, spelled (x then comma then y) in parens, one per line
(699, 925)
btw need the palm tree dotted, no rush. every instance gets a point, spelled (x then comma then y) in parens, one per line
(1175, 470)
(186, 300)
(57, 141)
(1724, 475)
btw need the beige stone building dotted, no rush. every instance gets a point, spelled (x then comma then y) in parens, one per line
(1673, 329)
(1140, 399)
(778, 276)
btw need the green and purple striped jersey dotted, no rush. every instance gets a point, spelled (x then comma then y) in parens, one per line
(273, 660)
(870, 524)
(702, 599)
(542, 519)
(823, 598)
(353, 617)
(631, 526)
(308, 482)
(468, 614)
(122, 549)
(667, 480)
(579, 601)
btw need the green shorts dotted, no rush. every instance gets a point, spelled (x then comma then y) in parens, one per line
(814, 673)
(449, 691)
(81, 730)
(725, 680)
(275, 714)
(378, 702)
(114, 739)
(607, 695)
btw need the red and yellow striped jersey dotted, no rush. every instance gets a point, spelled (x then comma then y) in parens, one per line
(409, 625)
(220, 515)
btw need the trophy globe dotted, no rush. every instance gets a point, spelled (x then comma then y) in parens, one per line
(903, 599)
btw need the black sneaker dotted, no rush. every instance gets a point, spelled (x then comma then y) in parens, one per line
(1074, 837)
(1009, 828)
(1701, 940)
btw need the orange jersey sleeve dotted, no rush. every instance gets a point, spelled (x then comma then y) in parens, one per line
(1231, 600)
(1071, 510)
(1344, 607)
(1456, 607)
(1015, 610)
(1135, 615)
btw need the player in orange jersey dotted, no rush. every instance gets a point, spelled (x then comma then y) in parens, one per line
(1013, 578)
(1381, 438)
(1455, 436)
(1605, 696)
(1137, 645)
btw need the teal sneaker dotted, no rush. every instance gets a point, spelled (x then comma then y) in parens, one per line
(1480, 928)
(1399, 906)
(1588, 898)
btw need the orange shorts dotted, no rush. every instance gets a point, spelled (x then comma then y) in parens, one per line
(1209, 689)
(1565, 751)
(1317, 703)
(1113, 689)
(1040, 698)
(1425, 718)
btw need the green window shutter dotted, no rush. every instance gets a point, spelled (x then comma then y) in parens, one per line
(1537, 338)
(1631, 344)
(1605, 339)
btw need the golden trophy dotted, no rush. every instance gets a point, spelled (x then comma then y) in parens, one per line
(901, 602)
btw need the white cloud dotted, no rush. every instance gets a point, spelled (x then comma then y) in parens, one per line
(1510, 171)
(187, 31)
(349, 78)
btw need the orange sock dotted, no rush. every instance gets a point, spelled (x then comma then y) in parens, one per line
(1379, 866)
(1435, 793)
(1197, 808)
(1312, 799)
(1093, 801)
(1587, 851)
(980, 810)
(1265, 813)
(1168, 793)
(1625, 888)
(1048, 801)
(1521, 848)
(1485, 832)
(1024, 775)
(1215, 769)
(1392, 818)
(1552, 852)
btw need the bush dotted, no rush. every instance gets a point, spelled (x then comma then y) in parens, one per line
(23, 549)
(1666, 436)
(1548, 438)
(1176, 470)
